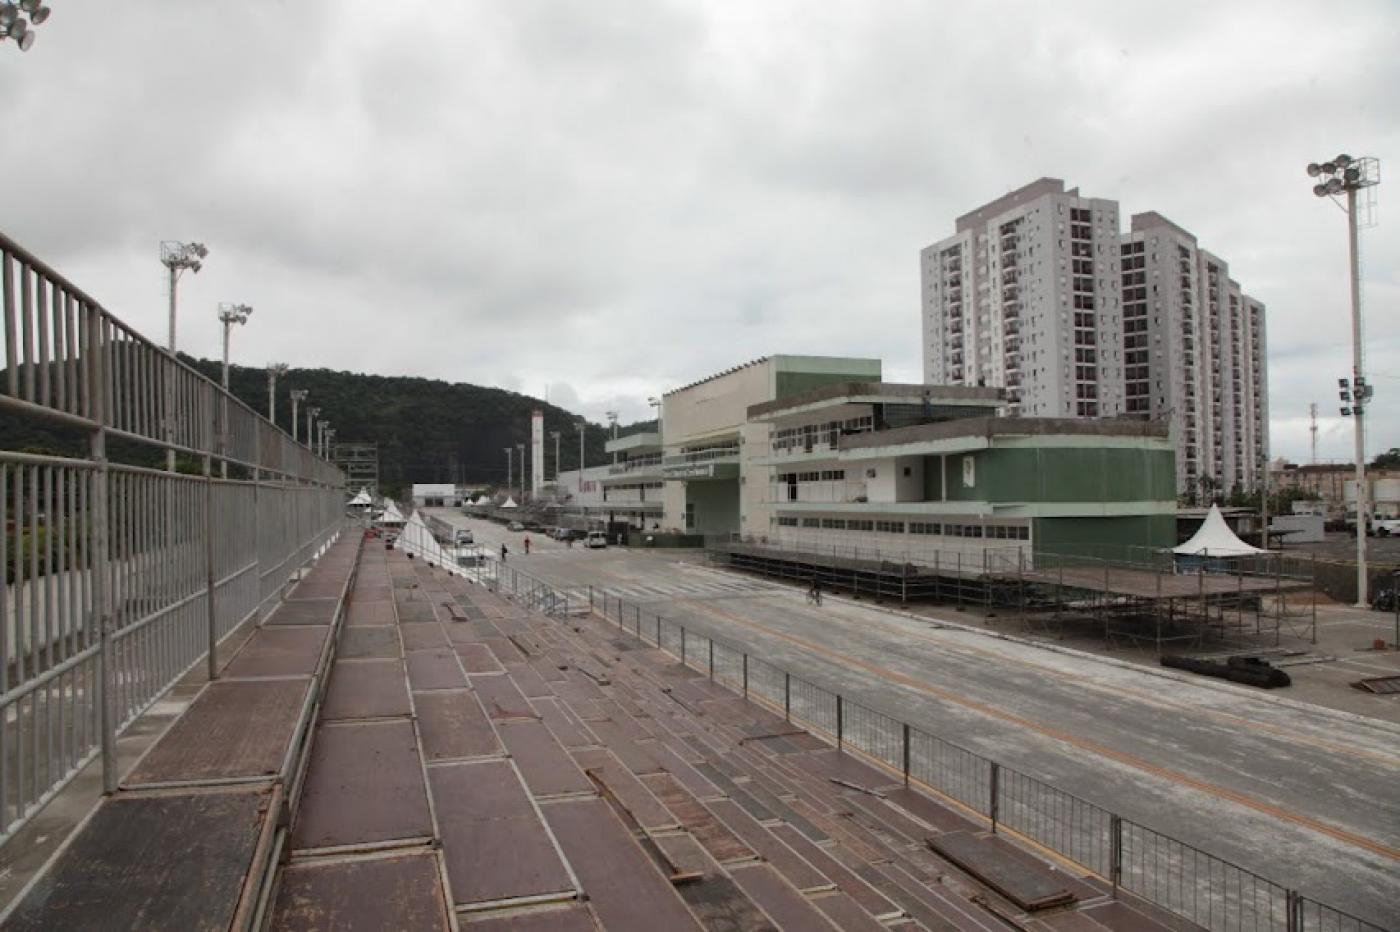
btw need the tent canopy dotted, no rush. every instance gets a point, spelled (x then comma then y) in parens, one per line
(361, 499)
(391, 515)
(1215, 539)
(509, 503)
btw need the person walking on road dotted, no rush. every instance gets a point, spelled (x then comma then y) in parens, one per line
(504, 551)
(527, 545)
(814, 592)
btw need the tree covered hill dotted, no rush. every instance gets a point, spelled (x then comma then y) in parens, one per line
(427, 430)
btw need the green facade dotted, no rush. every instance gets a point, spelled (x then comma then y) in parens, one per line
(797, 374)
(1103, 538)
(1059, 474)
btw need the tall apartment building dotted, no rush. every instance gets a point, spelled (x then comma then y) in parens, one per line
(1039, 293)
(1025, 296)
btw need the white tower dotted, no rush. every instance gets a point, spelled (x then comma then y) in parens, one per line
(536, 452)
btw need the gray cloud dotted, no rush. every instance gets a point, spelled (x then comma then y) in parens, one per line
(616, 198)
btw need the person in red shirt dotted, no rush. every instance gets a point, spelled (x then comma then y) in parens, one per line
(527, 545)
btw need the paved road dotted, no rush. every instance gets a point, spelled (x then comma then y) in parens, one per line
(1308, 797)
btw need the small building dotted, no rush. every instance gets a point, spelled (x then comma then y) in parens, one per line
(435, 495)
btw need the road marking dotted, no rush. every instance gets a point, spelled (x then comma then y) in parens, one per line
(1121, 757)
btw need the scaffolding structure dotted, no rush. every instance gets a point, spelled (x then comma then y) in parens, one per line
(1144, 600)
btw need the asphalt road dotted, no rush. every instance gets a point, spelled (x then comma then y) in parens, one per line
(1303, 795)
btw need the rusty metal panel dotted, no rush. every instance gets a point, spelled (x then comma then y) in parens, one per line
(366, 895)
(294, 650)
(624, 886)
(371, 592)
(547, 768)
(453, 726)
(631, 792)
(573, 917)
(501, 700)
(435, 669)
(369, 641)
(787, 862)
(494, 844)
(567, 730)
(870, 899)
(417, 613)
(168, 862)
(366, 689)
(530, 683)
(317, 586)
(1029, 885)
(364, 785)
(722, 844)
(304, 612)
(1381, 685)
(788, 908)
(234, 728)
(477, 658)
(422, 635)
(370, 613)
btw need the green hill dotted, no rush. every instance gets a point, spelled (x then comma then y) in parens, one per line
(427, 430)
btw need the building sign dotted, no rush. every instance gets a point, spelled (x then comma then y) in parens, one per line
(690, 472)
(969, 471)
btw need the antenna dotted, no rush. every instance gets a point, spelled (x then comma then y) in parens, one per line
(1312, 413)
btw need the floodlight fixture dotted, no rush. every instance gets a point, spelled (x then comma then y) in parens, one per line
(1314, 169)
(1346, 412)
(231, 313)
(8, 14)
(1344, 395)
(14, 25)
(1343, 383)
(1343, 160)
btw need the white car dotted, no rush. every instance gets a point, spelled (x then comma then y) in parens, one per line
(596, 539)
(1384, 527)
(463, 536)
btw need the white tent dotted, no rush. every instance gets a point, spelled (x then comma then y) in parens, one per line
(1215, 539)
(510, 503)
(482, 500)
(391, 515)
(361, 499)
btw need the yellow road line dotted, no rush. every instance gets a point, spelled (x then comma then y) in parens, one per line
(1121, 757)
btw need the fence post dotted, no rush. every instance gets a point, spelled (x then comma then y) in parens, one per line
(1115, 867)
(1294, 908)
(590, 597)
(746, 673)
(993, 788)
(787, 696)
(712, 659)
(840, 723)
(101, 531)
(682, 645)
(906, 754)
(209, 569)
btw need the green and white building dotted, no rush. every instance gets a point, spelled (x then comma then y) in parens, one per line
(925, 474)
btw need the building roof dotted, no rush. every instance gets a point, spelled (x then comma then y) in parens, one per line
(881, 393)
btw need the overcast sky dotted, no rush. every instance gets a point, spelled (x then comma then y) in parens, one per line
(613, 198)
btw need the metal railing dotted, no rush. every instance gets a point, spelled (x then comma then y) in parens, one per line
(119, 578)
(1193, 884)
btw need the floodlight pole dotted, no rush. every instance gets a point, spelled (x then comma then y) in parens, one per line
(298, 396)
(510, 473)
(582, 431)
(310, 427)
(274, 369)
(1359, 417)
(521, 447)
(555, 434)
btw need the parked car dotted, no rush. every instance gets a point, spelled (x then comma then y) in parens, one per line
(596, 539)
(463, 536)
(515, 526)
(1384, 527)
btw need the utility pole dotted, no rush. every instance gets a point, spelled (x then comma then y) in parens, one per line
(556, 434)
(612, 419)
(510, 451)
(521, 448)
(229, 314)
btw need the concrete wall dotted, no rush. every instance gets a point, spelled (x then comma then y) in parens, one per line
(890, 484)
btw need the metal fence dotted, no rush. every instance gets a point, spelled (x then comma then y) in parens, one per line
(119, 578)
(1189, 882)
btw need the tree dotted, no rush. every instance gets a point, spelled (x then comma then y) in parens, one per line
(1390, 459)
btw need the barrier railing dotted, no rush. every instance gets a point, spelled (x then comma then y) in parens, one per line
(1191, 883)
(119, 578)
